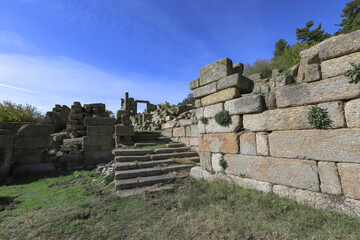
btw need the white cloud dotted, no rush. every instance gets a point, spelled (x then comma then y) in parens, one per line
(13, 41)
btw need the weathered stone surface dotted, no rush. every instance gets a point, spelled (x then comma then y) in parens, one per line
(188, 131)
(169, 124)
(251, 183)
(225, 143)
(194, 141)
(96, 157)
(242, 83)
(215, 71)
(201, 128)
(194, 131)
(185, 122)
(205, 160)
(204, 90)
(339, 145)
(221, 96)
(100, 131)
(234, 126)
(238, 68)
(212, 110)
(28, 155)
(329, 90)
(73, 141)
(6, 141)
(352, 113)
(293, 71)
(194, 84)
(246, 104)
(99, 121)
(32, 142)
(290, 172)
(329, 178)
(275, 73)
(197, 103)
(98, 141)
(350, 179)
(292, 118)
(215, 161)
(179, 132)
(167, 132)
(255, 76)
(199, 173)
(199, 113)
(248, 143)
(312, 72)
(339, 66)
(121, 130)
(284, 80)
(262, 143)
(270, 100)
(35, 130)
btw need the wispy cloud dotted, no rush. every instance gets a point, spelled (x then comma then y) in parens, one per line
(13, 41)
(17, 88)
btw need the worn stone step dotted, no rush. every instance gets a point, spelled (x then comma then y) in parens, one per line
(188, 160)
(140, 190)
(132, 158)
(119, 166)
(146, 181)
(173, 155)
(131, 152)
(146, 144)
(175, 145)
(146, 172)
(171, 150)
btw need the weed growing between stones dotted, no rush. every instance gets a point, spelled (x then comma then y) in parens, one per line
(354, 74)
(318, 118)
(204, 120)
(109, 178)
(223, 164)
(223, 118)
(242, 175)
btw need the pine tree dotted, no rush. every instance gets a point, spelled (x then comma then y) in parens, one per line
(314, 36)
(351, 18)
(280, 47)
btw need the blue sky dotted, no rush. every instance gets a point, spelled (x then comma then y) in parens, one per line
(60, 51)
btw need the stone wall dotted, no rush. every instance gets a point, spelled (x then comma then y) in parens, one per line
(269, 144)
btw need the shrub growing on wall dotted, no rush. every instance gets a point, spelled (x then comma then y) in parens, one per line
(223, 118)
(318, 118)
(204, 120)
(354, 74)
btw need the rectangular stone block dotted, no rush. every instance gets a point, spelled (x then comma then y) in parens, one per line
(98, 141)
(36, 130)
(212, 110)
(339, 66)
(236, 80)
(292, 118)
(194, 84)
(6, 141)
(179, 132)
(248, 143)
(329, 178)
(100, 131)
(352, 113)
(246, 104)
(28, 155)
(99, 121)
(338, 145)
(234, 126)
(32, 142)
(296, 173)
(185, 122)
(199, 173)
(204, 90)
(73, 141)
(185, 141)
(350, 179)
(225, 143)
(205, 160)
(121, 130)
(215, 71)
(201, 127)
(167, 132)
(194, 141)
(262, 143)
(169, 124)
(221, 96)
(328, 90)
(194, 131)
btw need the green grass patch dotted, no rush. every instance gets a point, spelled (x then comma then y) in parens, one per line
(80, 208)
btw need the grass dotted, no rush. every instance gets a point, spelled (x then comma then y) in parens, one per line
(71, 207)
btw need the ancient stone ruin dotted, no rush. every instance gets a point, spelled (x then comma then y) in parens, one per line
(295, 134)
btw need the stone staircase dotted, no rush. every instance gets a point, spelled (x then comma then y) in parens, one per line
(151, 170)
(144, 138)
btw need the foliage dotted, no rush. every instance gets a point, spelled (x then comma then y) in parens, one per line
(242, 175)
(280, 47)
(351, 18)
(188, 100)
(223, 118)
(305, 35)
(109, 178)
(318, 118)
(168, 106)
(204, 120)
(223, 164)
(262, 66)
(12, 112)
(354, 74)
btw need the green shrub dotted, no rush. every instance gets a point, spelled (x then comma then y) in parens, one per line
(12, 112)
(262, 66)
(223, 118)
(109, 178)
(223, 164)
(204, 120)
(353, 74)
(318, 117)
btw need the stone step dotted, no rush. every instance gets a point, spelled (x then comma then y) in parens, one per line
(175, 145)
(146, 181)
(144, 133)
(146, 144)
(188, 160)
(171, 150)
(131, 152)
(173, 155)
(120, 166)
(146, 172)
(132, 158)
(152, 139)
(140, 190)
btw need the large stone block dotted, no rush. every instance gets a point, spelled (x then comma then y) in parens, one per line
(212, 110)
(352, 113)
(246, 104)
(215, 71)
(100, 131)
(339, 66)
(194, 141)
(234, 125)
(199, 173)
(248, 143)
(215, 161)
(262, 143)
(32, 130)
(329, 178)
(194, 84)
(201, 128)
(225, 143)
(284, 80)
(169, 124)
(121, 130)
(185, 122)
(179, 132)
(329, 90)
(32, 142)
(204, 90)
(312, 72)
(98, 141)
(28, 155)
(6, 141)
(99, 121)
(350, 179)
(167, 132)
(221, 96)
(236, 80)
(296, 173)
(292, 118)
(205, 160)
(194, 131)
(338, 145)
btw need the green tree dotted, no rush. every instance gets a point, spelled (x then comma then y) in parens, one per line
(280, 47)
(12, 112)
(305, 35)
(351, 18)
